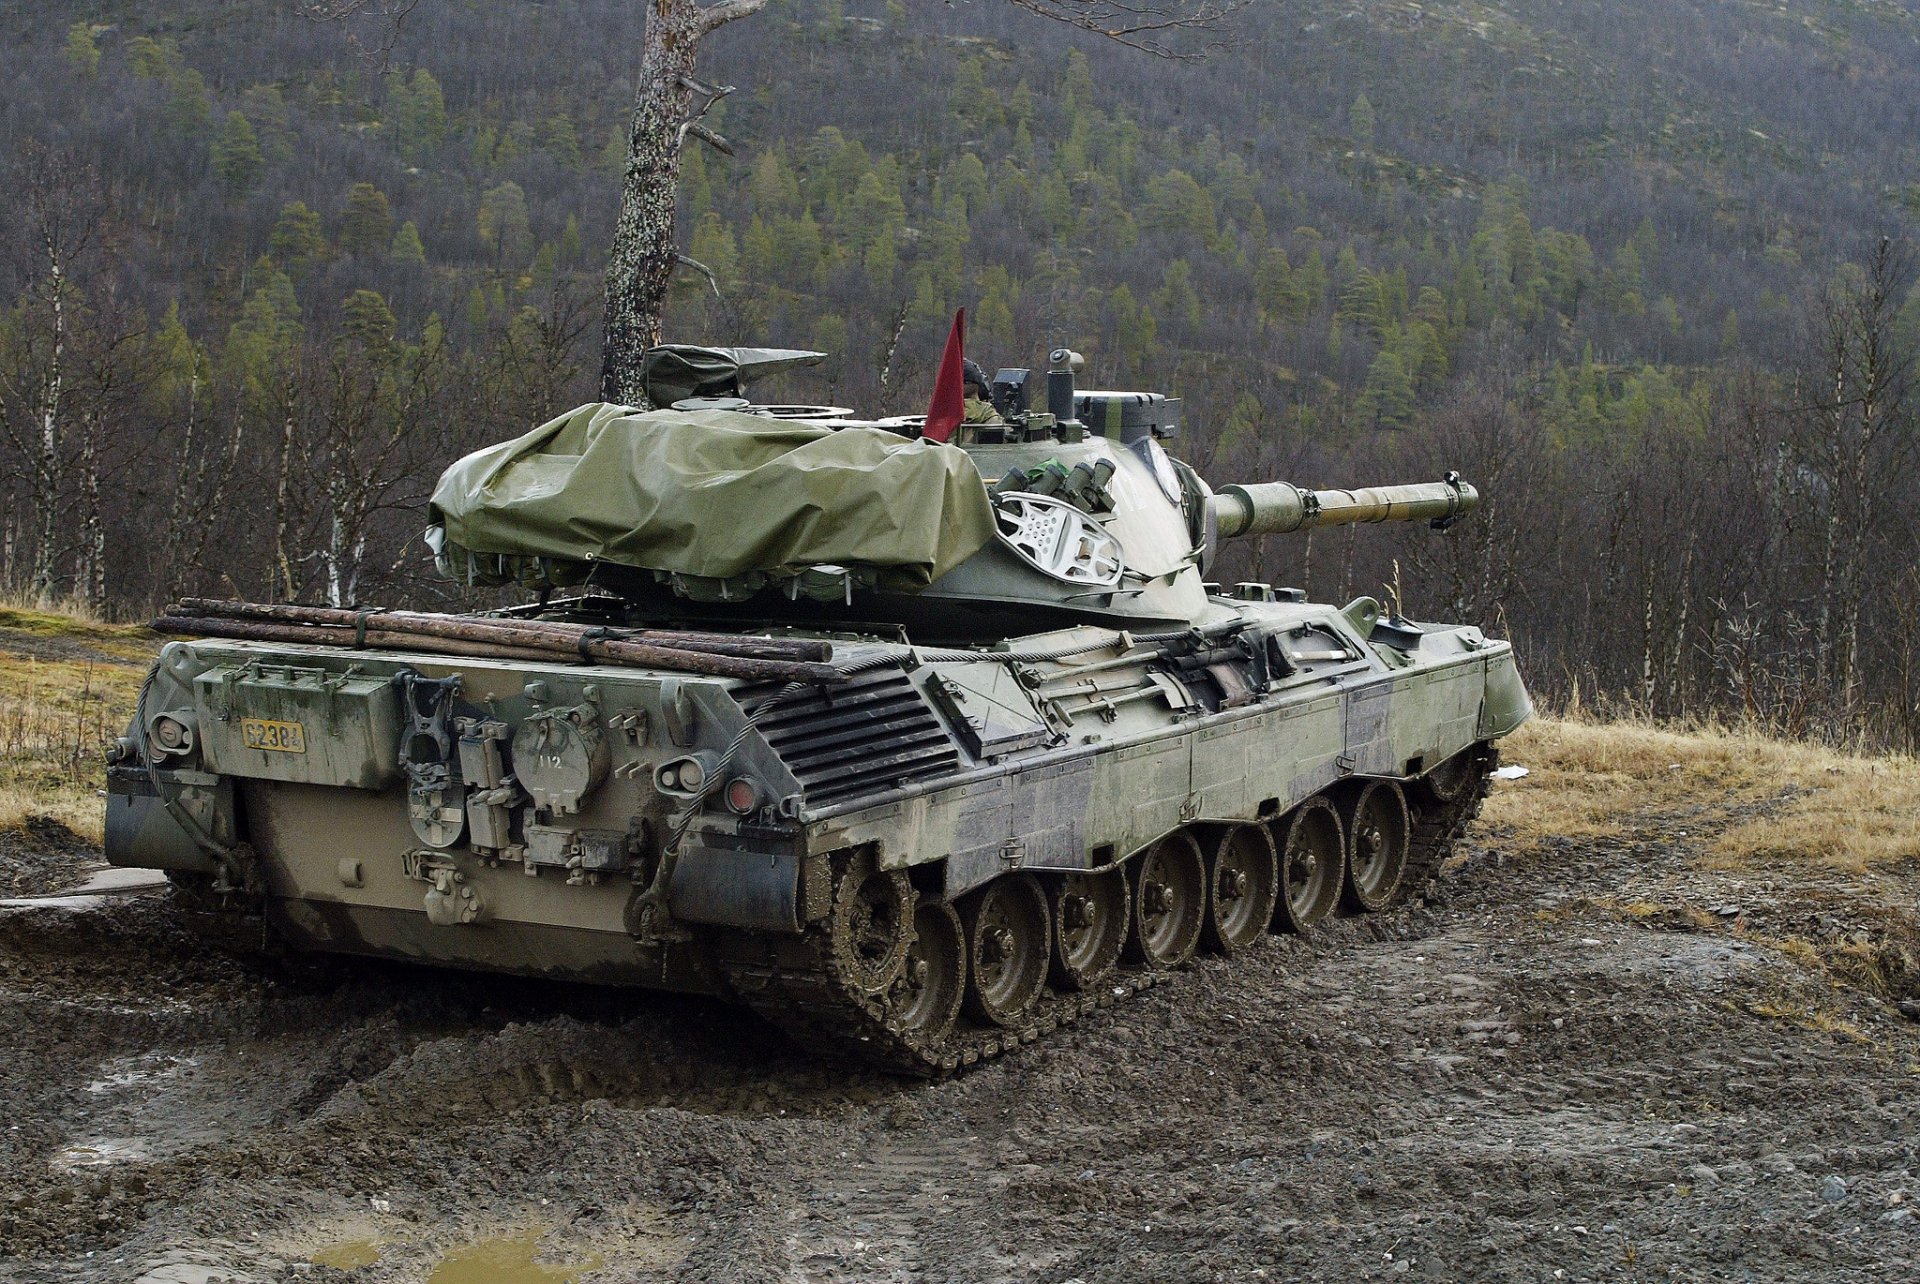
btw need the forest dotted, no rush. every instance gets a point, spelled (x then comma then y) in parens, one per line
(1642, 270)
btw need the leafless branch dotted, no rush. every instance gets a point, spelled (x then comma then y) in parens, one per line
(719, 15)
(389, 14)
(1148, 25)
(703, 270)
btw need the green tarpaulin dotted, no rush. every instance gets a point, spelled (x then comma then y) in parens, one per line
(718, 494)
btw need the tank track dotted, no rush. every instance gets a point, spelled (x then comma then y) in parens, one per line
(1437, 829)
(799, 984)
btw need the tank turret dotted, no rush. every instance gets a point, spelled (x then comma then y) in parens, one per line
(718, 509)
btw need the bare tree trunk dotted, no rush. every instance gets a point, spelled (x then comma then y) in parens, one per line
(1676, 688)
(641, 264)
(215, 497)
(282, 519)
(93, 582)
(47, 551)
(1830, 554)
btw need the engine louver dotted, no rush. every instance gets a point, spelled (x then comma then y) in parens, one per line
(864, 736)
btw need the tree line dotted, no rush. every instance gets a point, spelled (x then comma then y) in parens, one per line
(260, 290)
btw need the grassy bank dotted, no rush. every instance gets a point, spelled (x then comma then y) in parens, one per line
(1762, 802)
(67, 687)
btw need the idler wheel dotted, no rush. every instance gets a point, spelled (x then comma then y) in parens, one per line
(1243, 882)
(926, 998)
(1169, 902)
(1089, 927)
(872, 925)
(1378, 833)
(1008, 944)
(1448, 782)
(1313, 860)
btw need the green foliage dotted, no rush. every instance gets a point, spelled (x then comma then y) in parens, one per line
(715, 246)
(1363, 297)
(408, 250)
(1177, 204)
(178, 364)
(977, 110)
(83, 51)
(1360, 121)
(237, 159)
(504, 224)
(992, 318)
(419, 114)
(562, 141)
(299, 240)
(263, 344)
(189, 109)
(267, 111)
(366, 225)
(368, 323)
(1281, 295)
(152, 59)
(1176, 300)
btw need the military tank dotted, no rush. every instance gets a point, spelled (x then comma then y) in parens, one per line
(920, 749)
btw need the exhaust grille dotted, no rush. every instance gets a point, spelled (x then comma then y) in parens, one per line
(865, 736)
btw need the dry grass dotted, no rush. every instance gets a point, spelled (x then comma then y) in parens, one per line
(67, 688)
(67, 612)
(1764, 801)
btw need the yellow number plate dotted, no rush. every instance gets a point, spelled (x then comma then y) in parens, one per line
(274, 737)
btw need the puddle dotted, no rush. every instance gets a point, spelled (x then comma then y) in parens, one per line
(101, 1152)
(130, 1072)
(350, 1256)
(505, 1261)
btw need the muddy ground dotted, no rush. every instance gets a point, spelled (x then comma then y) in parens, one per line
(1600, 1063)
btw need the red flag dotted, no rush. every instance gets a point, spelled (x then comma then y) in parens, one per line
(948, 407)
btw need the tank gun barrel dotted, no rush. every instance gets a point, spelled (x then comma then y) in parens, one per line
(1279, 508)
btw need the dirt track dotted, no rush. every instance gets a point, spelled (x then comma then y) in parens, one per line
(1524, 1082)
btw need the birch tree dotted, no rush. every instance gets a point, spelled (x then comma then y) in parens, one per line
(1862, 440)
(62, 227)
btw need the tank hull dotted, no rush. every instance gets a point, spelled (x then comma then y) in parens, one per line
(577, 846)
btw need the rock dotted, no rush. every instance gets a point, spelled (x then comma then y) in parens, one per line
(1898, 1217)
(1833, 1190)
(1910, 1009)
(1701, 1175)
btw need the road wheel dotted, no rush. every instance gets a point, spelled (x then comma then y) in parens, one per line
(1169, 902)
(926, 998)
(872, 925)
(1008, 949)
(1378, 831)
(1089, 927)
(1243, 882)
(1313, 859)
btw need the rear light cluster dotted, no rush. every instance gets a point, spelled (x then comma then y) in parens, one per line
(743, 796)
(689, 777)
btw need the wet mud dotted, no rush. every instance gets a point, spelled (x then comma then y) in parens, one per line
(1607, 1064)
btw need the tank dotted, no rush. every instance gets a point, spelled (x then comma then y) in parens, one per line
(923, 750)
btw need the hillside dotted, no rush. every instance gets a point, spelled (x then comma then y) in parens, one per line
(1586, 253)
